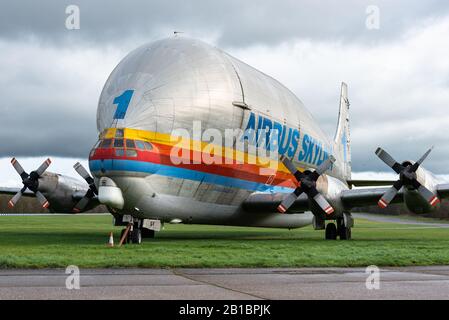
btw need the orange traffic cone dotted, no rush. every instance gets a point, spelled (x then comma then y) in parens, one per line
(111, 240)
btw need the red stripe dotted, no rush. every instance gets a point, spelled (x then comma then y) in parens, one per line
(161, 155)
(46, 205)
(382, 204)
(434, 201)
(10, 204)
(329, 210)
(281, 208)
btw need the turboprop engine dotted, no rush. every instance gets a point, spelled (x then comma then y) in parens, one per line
(56, 192)
(419, 184)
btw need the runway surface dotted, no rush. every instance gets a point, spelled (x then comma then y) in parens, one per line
(297, 283)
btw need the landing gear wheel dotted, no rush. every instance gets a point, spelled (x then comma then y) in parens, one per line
(345, 233)
(147, 233)
(136, 235)
(331, 231)
(121, 236)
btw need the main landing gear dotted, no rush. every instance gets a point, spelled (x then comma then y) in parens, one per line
(341, 229)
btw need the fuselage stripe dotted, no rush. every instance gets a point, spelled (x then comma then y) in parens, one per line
(96, 166)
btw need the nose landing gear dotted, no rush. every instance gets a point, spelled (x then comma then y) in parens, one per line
(136, 234)
(135, 231)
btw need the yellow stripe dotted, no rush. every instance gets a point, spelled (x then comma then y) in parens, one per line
(200, 146)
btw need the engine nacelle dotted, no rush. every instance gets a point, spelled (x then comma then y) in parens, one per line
(62, 192)
(331, 188)
(413, 200)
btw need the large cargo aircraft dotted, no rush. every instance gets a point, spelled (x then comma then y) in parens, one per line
(190, 134)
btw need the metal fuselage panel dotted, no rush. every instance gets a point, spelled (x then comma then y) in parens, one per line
(175, 83)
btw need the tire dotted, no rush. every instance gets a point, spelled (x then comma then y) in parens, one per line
(136, 236)
(345, 233)
(147, 233)
(331, 231)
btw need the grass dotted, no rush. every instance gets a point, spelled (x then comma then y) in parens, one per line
(58, 241)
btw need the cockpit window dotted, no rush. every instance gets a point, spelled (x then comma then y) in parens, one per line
(119, 152)
(118, 143)
(140, 145)
(148, 145)
(106, 143)
(130, 144)
(131, 153)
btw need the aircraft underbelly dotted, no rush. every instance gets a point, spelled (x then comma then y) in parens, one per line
(168, 198)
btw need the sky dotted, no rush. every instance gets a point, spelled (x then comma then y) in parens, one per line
(397, 69)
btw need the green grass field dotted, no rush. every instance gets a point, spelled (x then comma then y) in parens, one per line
(58, 241)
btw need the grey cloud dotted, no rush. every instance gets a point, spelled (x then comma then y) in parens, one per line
(54, 86)
(234, 23)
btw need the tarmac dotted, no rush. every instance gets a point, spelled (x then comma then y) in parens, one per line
(230, 284)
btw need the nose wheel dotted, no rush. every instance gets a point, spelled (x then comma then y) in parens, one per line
(136, 235)
(132, 233)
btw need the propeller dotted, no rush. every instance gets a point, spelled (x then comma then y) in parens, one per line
(92, 188)
(407, 177)
(306, 184)
(31, 182)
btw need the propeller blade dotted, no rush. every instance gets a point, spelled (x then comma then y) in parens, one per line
(390, 194)
(385, 157)
(81, 171)
(322, 202)
(43, 167)
(289, 200)
(81, 204)
(421, 160)
(19, 168)
(323, 167)
(16, 198)
(42, 200)
(430, 197)
(290, 166)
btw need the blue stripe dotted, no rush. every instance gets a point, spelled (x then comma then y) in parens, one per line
(181, 173)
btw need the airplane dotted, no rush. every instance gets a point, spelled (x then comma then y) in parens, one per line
(156, 117)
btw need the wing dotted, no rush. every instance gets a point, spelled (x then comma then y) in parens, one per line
(366, 197)
(370, 183)
(13, 191)
(268, 202)
(262, 202)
